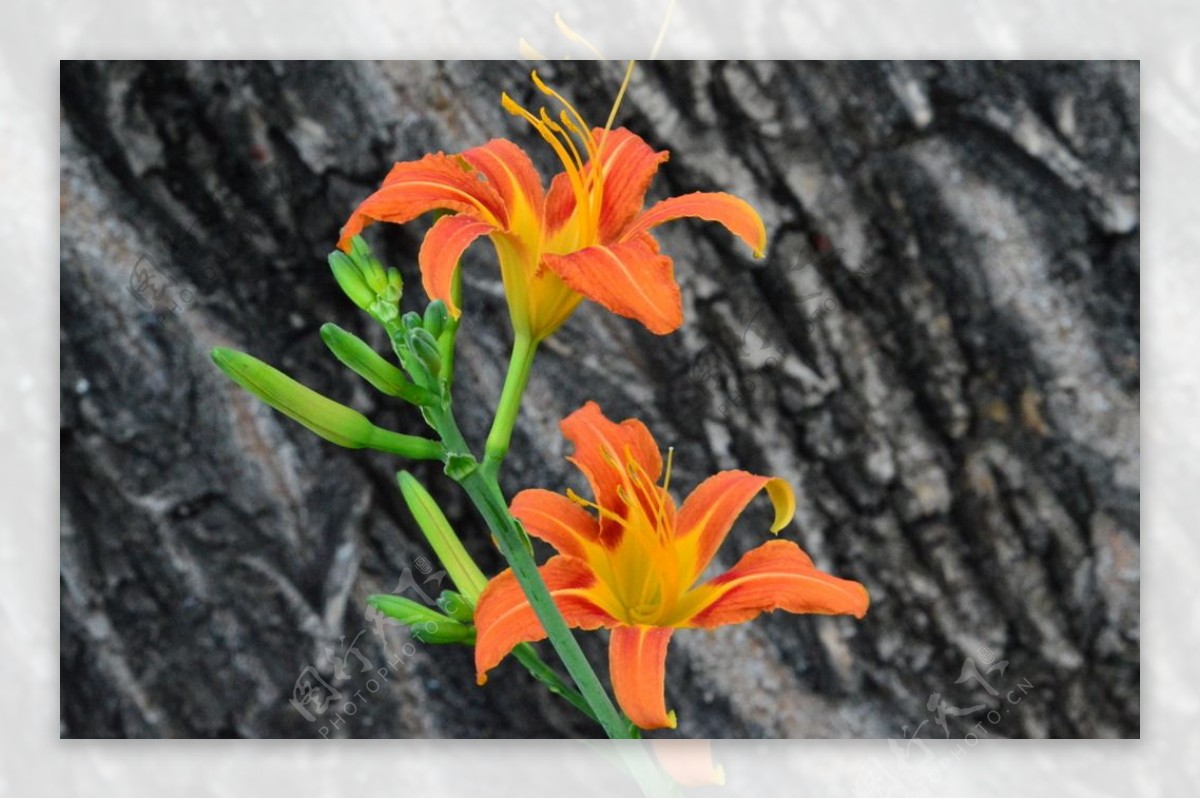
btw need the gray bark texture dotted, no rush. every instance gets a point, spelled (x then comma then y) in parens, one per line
(940, 352)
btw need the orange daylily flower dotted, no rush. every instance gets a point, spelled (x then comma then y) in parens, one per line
(588, 236)
(634, 566)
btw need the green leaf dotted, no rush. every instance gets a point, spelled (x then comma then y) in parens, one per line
(330, 420)
(442, 538)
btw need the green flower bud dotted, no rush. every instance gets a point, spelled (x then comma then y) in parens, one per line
(372, 367)
(371, 287)
(350, 279)
(372, 271)
(424, 346)
(426, 625)
(441, 537)
(456, 606)
(436, 316)
(383, 310)
(330, 420)
(411, 320)
(395, 285)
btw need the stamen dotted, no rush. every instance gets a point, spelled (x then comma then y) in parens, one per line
(660, 518)
(662, 32)
(569, 164)
(591, 209)
(612, 115)
(561, 131)
(575, 37)
(585, 132)
(606, 514)
(662, 498)
(556, 128)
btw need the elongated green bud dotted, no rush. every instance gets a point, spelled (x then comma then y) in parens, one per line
(456, 606)
(330, 420)
(436, 316)
(441, 537)
(423, 345)
(351, 281)
(373, 367)
(368, 265)
(425, 624)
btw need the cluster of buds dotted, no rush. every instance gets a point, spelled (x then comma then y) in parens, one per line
(423, 343)
(366, 282)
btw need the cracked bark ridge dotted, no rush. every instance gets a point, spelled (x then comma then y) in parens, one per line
(940, 352)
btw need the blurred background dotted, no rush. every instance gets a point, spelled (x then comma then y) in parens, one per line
(940, 352)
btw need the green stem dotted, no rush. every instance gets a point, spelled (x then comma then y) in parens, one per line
(541, 671)
(450, 335)
(487, 497)
(519, 366)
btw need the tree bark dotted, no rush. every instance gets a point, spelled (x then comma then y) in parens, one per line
(940, 353)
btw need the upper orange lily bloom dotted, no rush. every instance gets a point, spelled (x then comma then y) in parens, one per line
(634, 566)
(588, 236)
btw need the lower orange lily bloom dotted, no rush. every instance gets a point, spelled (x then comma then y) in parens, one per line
(588, 236)
(634, 566)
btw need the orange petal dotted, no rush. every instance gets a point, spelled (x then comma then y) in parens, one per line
(711, 509)
(556, 520)
(602, 451)
(509, 170)
(504, 618)
(629, 167)
(630, 278)
(637, 661)
(737, 215)
(559, 203)
(775, 576)
(437, 181)
(443, 246)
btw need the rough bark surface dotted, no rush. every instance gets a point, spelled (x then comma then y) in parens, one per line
(940, 352)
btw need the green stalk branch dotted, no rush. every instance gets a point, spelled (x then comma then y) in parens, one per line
(509, 406)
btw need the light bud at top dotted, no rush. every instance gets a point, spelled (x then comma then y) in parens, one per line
(365, 281)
